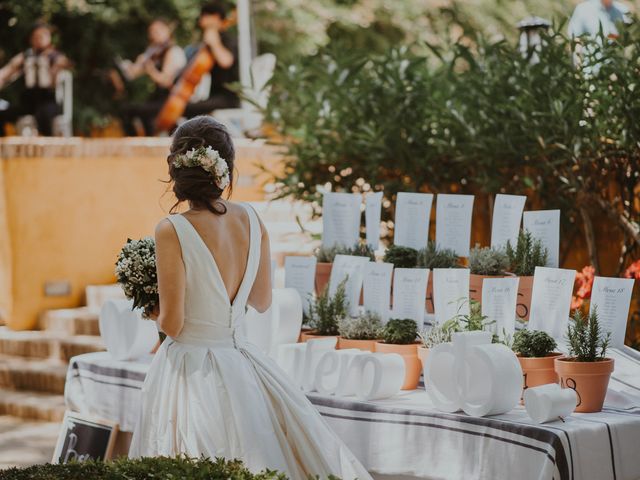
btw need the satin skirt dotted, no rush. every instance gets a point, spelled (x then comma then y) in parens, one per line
(228, 399)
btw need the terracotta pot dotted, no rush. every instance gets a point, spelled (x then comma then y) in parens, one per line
(475, 285)
(411, 361)
(589, 379)
(366, 345)
(429, 300)
(538, 371)
(308, 335)
(525, 288)
(423, 353)
(323, 273)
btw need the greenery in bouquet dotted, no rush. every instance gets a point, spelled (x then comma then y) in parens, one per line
(327, 311)
(328, 254)
(401, 257)
(439, 333)
(136, 273)
(400, 331)
(488, 261)
(433, 257)
(587, 341)
(528, 254)
(533, 343)
(364, 327)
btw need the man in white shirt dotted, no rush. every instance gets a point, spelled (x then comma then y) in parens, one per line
(591, 15)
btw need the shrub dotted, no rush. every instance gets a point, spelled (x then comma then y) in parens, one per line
(327, 311)
(328, 254)
(528, 254)
(488, 261)
(434, 257)
(533, 343)
(401, 257)
(364, 327)
(587, 343)
(400, 331)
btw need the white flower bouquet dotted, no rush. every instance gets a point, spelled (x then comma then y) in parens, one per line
(136, 273)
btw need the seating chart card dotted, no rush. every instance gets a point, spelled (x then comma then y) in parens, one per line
(409, 293)
(300, 274)
(545, 226)
(377, 288)
(450, 292)
(507, 214)
(499, 296)
(551, 300)
(453, 222)
(341, 219)
(372, 213)
(351, 268)
(413, 211)
(612, 297)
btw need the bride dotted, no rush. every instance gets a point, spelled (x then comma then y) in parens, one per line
(209, 392)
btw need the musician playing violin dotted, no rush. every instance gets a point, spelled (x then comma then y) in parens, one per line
(162, 62)
(224, 48)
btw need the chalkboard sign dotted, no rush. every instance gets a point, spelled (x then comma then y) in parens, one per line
(84, 438)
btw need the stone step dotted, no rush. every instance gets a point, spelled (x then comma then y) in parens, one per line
(32, 405)
(71, 321)
(20, 373)
(46, 344)
(79, 344)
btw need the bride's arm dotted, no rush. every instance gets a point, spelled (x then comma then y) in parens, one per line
(171, 279)
(260, 296)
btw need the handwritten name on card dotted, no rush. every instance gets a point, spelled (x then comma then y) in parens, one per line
(377, 288)
(507, 215)
(545, 226)
(340, 219)
(351, 268)
(499, 297)
(413, 211)
(372, 212)
(300, 274)
(612, 297)
(551, 300)
(409, 293)
(450, 293)
(453, 222)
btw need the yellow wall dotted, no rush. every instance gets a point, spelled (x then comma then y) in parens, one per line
(68, 216)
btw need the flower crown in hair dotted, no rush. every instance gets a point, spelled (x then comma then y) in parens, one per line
(210, 161)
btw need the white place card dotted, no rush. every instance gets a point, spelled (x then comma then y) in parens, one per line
(413, 211)
(507, 214)
(453, 222)
(544, 225)
(499, 298)
(450, 293)
(377, 288)
(409, 293)
(372, 213)
(551, 300)
(340, 219)
(351, 268)
(300, 274)
(612, 297)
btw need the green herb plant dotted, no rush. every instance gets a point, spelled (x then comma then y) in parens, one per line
(326, 312)
(400, 331)
(533, 343)
(587, 341)
(528, 254)
(364, 327)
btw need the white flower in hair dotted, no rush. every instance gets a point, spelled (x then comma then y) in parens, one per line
(209, 160)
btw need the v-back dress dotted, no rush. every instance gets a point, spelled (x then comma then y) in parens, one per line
(209, 392)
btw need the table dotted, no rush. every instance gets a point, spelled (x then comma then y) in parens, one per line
(405, 436)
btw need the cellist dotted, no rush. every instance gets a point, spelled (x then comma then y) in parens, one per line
(224, 48)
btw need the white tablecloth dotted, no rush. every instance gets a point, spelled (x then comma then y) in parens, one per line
(405, 435)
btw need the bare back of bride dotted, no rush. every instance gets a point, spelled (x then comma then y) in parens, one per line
(208, 391)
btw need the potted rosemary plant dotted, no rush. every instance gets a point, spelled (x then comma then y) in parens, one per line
(361, 332)
(399, 336)
(485, 262)
(433, 257)
(536, 353)
(326, 255)
(586, 369)
(326, 312)
(528, 254)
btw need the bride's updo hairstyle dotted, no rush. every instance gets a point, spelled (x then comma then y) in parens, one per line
(195, 184)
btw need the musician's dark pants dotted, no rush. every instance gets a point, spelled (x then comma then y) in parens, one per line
(146, 112)
(216, 102)
(37, 102)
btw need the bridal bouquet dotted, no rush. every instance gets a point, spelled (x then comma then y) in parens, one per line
(136, 273)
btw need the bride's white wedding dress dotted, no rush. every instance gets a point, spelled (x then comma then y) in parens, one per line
(210, 393)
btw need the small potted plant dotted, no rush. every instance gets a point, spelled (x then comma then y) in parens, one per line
(437, 334)
(401, 257)
(399, 336)
(361, 332)
(326, 255)
(325, 313)
(528, 254)
(586, 369)
(433, 257)
(485, 262)
(536, 353)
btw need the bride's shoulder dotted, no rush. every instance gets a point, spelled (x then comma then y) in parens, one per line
(165, 230)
